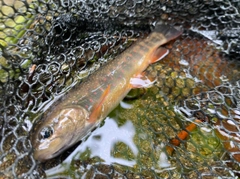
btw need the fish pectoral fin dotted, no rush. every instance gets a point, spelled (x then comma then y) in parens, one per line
(141, 81)
(158, 54)
(96, 109)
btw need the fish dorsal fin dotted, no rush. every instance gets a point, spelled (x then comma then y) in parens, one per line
(158, 54)
(96, 109)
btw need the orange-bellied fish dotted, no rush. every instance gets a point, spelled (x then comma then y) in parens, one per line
(75, 114)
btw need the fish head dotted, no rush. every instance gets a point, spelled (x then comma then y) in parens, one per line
(58, 131)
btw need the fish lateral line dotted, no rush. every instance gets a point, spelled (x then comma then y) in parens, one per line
(96, 109)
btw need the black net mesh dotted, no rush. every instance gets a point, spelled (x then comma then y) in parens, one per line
(48, 46)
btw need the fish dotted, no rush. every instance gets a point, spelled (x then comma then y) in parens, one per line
(81, 109)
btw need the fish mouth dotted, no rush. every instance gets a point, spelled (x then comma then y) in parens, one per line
(63, 148)
(45, 153)
(67, 144)
(58, 152)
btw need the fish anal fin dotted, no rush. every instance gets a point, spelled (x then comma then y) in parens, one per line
(141, 81)
(158, 54)
(96, 109)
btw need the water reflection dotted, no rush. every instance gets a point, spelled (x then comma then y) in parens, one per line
(101, 143)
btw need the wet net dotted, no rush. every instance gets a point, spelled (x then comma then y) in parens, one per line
(187, 125)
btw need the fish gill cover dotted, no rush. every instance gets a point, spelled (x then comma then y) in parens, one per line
(185, 126)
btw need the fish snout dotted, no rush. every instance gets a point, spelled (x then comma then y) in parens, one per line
(48, 149)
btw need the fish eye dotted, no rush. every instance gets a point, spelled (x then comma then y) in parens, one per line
(46, 132)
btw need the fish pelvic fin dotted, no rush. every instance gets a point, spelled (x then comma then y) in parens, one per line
(167, 31)
(158, 54)
(141, 81)
(96, 109)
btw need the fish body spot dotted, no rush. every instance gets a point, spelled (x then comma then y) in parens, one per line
(143, 48)
(128, 57)
(136, 55)
(156, 39)
(149, 43)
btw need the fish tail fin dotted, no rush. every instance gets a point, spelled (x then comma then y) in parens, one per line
(168, 31)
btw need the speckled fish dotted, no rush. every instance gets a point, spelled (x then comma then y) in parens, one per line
(75, 114)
